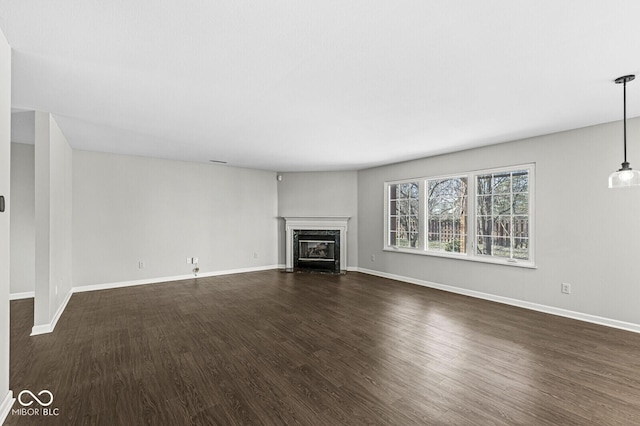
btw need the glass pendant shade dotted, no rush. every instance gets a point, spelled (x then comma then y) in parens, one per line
(624, 178)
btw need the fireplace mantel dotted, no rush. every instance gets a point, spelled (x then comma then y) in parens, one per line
(325, 223)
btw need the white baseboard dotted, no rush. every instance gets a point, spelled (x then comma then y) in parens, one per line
(6, 405)
(48, 328)
(513, 302)
(25, 295)
(108, 286)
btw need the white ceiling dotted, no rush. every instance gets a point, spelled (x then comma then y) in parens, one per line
(295, 85)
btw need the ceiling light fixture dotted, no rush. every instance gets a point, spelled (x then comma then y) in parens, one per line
(624, 177)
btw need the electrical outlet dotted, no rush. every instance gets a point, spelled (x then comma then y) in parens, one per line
(195, 260)
(255, 255)
(565, 288)
(141, 264)
(373, 257)
(189, 260)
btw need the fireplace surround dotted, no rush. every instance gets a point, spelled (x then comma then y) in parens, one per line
(316, 244)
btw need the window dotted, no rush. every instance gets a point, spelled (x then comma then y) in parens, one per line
(483, 216)
(404, 214)
(447, 214)
(502, 203)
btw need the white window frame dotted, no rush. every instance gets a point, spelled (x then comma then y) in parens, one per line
(472, 222)
(387, 215)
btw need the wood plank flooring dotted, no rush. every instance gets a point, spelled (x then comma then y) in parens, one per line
(273, 348)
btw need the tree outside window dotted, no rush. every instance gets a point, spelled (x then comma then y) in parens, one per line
(502, 203)
(447, 215)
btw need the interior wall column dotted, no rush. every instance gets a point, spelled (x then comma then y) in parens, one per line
(6, 396)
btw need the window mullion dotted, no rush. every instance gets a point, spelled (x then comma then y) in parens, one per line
(423, 211)
(471, 216)
(511, 225)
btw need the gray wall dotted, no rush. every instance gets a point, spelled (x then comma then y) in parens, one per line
(587, 235)
(5, 187)
(320, 194)
(23, 231)
(23, 127)
(129, 209)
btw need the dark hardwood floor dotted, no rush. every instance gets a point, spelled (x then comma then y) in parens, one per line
(276, 349)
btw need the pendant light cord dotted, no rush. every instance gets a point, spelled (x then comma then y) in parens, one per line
(624, 101)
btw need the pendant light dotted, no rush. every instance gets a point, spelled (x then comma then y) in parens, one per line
(625, 176)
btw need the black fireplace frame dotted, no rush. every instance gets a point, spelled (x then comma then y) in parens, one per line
(315, 266)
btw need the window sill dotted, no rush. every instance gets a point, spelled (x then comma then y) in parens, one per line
(465, 257)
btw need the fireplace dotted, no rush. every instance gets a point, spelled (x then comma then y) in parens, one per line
(316, 244)
(316, 250)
